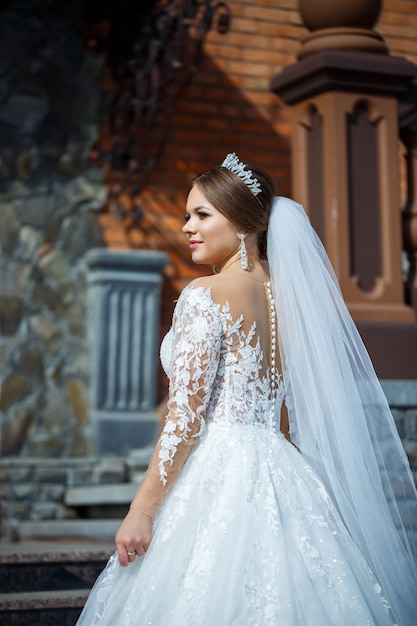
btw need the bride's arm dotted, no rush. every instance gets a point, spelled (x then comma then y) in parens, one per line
(197, 333)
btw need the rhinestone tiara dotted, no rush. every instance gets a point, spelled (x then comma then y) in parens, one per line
(233, 164)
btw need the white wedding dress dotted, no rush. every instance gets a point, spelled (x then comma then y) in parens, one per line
(247, 534)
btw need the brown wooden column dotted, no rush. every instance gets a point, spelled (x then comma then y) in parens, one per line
(344, 105)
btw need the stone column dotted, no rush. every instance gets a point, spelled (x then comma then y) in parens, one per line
(343, 95)
(124, 299)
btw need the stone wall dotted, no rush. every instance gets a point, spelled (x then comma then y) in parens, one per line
(43, 349)
(34, 490)
(50, 110)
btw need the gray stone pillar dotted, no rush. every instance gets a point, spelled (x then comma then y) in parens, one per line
(124, 301)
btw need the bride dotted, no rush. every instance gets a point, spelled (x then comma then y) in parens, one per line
(273, 496)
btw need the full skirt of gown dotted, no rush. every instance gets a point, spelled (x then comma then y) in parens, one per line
(247, 536)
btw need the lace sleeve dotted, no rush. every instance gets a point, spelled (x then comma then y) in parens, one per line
(197, 331)
(196, 338)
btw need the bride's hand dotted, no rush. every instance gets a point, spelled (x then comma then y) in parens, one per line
(134, 536)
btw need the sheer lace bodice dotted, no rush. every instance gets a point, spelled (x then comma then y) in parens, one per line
(217, 372)
(220, 368)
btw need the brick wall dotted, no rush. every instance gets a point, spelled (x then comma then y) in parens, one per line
(228, 107)
(398, 25)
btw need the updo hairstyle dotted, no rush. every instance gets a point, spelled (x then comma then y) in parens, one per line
(231, 196)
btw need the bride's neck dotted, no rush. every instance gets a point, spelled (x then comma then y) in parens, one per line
(232, 266)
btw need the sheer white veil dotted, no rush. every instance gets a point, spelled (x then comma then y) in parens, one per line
(339, 417)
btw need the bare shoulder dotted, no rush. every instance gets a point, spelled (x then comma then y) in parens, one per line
(220, 286)
(203, 281)
(223, 287)
(213, 282)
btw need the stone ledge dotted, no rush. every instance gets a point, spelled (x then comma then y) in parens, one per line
(55, 552)
(400, 393)
(121, 493)
(35, 600)
(67, 462)
(101, 260)
(97, 529)
(343, 70)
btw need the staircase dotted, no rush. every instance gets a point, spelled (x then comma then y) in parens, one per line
(47, 583)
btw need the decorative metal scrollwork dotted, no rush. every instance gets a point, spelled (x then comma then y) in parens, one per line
(164, 55)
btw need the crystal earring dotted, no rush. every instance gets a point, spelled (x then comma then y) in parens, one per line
(243, 254)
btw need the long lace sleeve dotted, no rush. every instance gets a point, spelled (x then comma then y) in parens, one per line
(197, 331)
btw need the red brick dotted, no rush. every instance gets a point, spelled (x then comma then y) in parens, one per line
(265, 14)
(272, 57)
(246, 40)
(400, 5)
(404, 46)
(228, 106)
(391, 30)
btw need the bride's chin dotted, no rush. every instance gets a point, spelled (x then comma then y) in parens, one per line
(199, 261)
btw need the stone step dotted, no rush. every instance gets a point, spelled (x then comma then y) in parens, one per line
(46, 608)
(46, 583)
(47, 566)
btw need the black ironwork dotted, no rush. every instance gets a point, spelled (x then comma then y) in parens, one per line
(164, 53)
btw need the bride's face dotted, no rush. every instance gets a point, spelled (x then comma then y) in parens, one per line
(212, 237)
